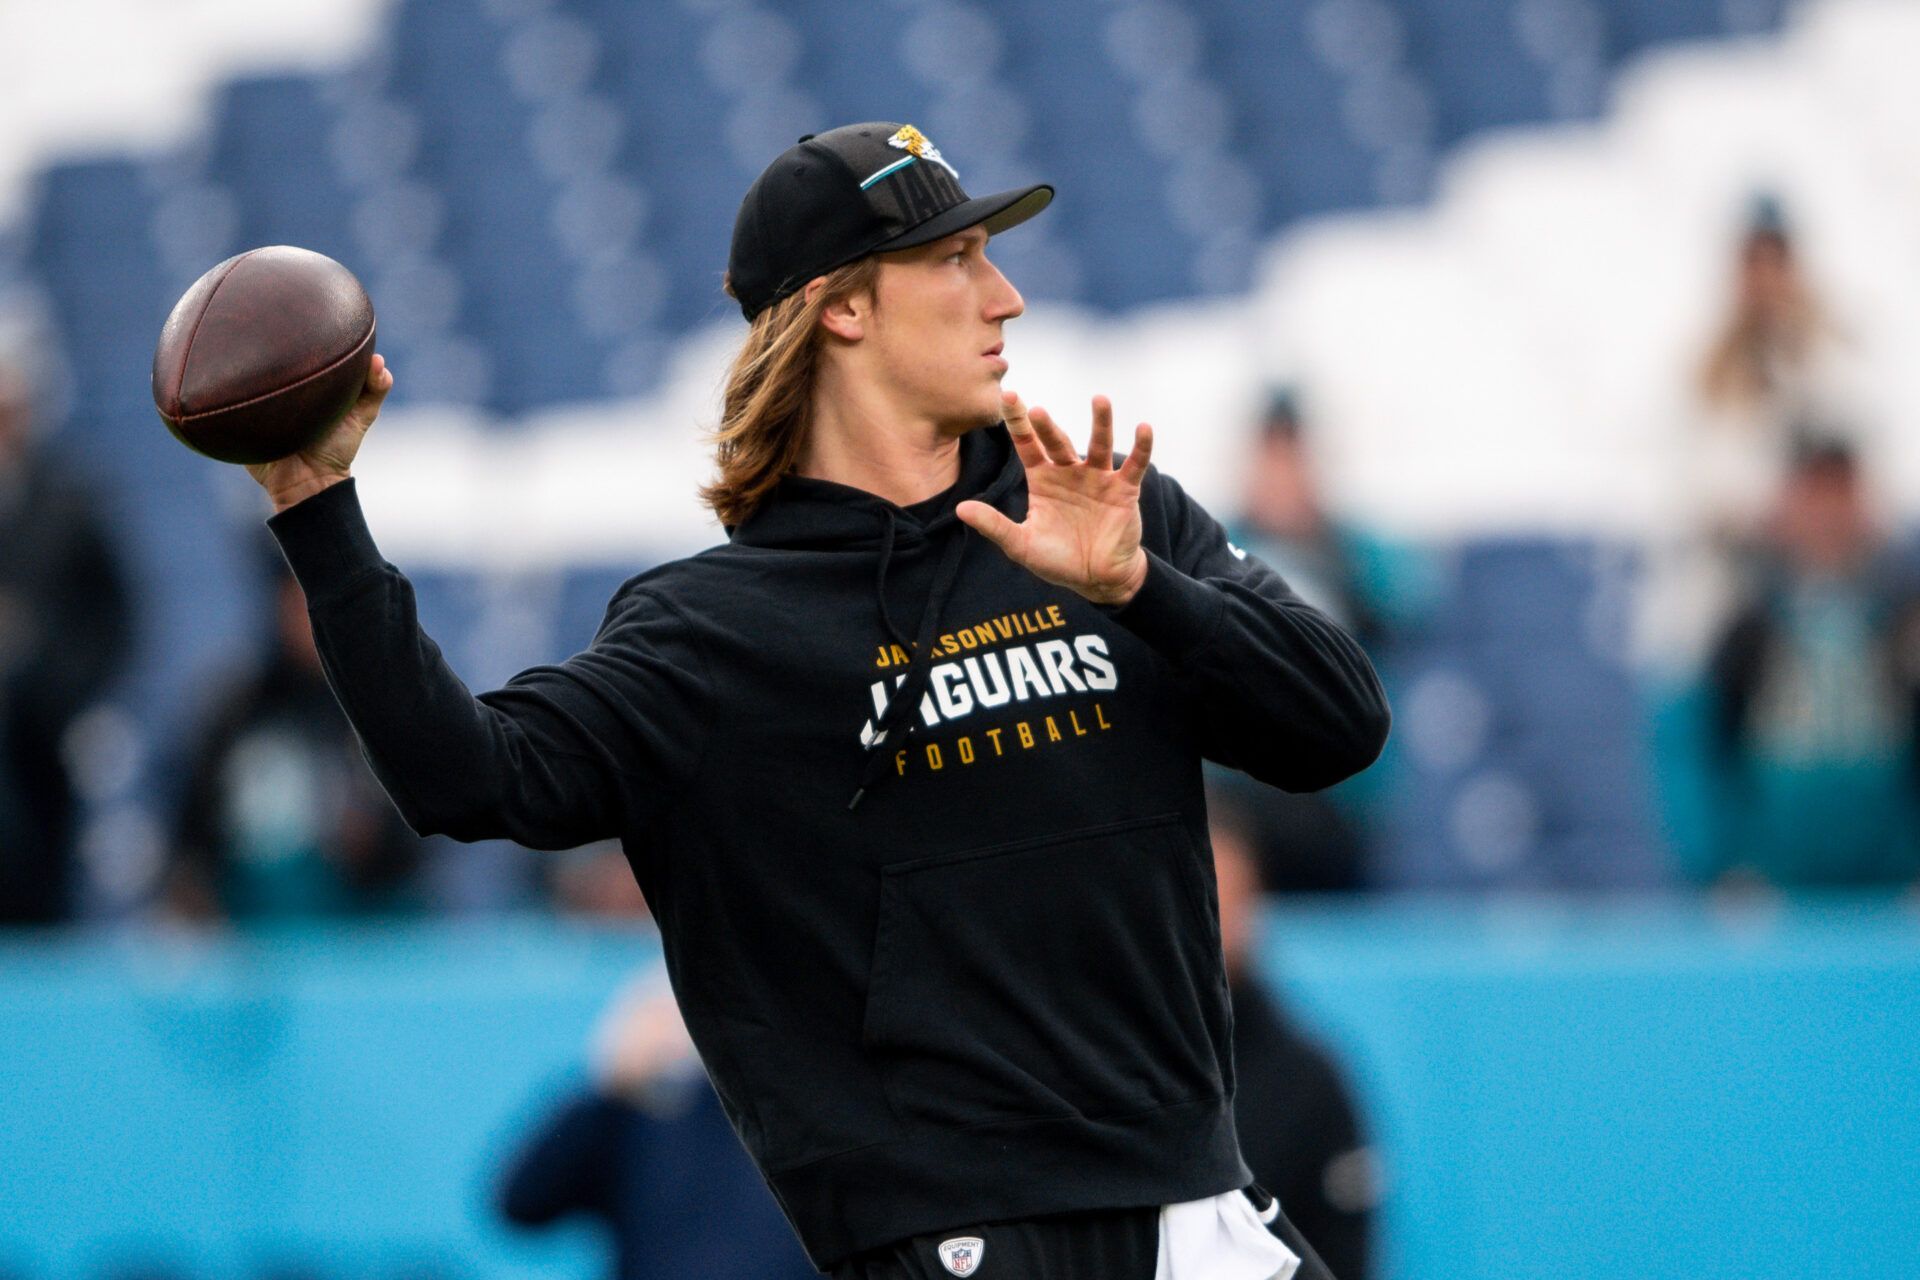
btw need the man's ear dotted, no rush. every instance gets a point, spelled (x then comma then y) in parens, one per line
(846, 316)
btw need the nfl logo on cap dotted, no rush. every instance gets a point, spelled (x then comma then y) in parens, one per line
(961, 1255)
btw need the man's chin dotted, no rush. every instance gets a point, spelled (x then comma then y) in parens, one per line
(967, 426)
(977, 418)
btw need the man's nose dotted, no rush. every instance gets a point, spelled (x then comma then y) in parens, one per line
(1003, 300)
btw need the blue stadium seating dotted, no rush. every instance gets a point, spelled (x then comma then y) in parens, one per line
(1482, 74)
(1552, 791)
(442, 167)
(689, 87)
(1291, 107)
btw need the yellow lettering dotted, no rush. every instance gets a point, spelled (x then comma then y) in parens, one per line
(995, 735)
(1004, 627)
(968, 640)
(965, 746)
(1101, 715)
(899, 762)
(900, 656)
(1078, 732)
(1025, 732)
(1053, 611)
(1053, 731)
(884, 660)
(933, 756)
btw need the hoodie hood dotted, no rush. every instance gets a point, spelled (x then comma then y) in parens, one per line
(804, 513)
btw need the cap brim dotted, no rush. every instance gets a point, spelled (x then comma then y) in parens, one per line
(995, 212)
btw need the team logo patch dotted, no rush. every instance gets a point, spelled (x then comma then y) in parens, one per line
(961, 1255)
(918, 145)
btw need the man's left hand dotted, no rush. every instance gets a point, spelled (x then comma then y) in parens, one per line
(1082, 529)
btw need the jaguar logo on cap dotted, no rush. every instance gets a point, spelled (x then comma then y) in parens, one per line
(962, 1254)
(918, 147)
(916, 143)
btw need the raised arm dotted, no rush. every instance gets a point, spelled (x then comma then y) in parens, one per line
(560, 756)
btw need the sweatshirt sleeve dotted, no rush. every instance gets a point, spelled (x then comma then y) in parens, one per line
(1278, 690)
(561, 756)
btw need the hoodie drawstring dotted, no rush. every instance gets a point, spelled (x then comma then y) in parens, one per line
(894, 633)
(906, 697)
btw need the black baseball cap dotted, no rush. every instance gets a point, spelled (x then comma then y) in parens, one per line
(838, 196)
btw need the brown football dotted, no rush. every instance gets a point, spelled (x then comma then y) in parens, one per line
(263, 355)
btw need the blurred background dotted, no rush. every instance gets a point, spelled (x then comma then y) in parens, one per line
(1563, 349)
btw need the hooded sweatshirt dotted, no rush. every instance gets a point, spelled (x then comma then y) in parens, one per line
(924, 835)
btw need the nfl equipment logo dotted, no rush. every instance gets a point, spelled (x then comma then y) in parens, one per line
(962, 1255)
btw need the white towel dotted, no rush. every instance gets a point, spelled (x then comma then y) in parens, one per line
(1220, 1238)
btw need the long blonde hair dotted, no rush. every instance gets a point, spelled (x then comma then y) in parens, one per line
(768, 402)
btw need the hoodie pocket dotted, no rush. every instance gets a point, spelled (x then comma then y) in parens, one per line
(1077, 974)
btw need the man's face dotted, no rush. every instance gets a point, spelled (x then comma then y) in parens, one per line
(1822, 523)
(934, 334)
(1281, 499)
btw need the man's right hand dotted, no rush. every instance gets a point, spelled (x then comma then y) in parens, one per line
(328, 460)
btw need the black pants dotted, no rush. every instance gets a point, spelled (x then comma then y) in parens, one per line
(1108, 1244)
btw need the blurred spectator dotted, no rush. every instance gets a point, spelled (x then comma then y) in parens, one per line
(282, 817)
(64, 633)
(1816, 693)
(648, 1152)
(1286, 524)
(1298, 1130)
(1779, 370)
(1306, 843)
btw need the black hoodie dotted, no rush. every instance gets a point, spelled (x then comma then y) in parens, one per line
(992, 988)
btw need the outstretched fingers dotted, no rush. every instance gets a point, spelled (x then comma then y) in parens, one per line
(1060, 450)
(1013, 411)
(1100, 443)
(1041, 441)
(1134, 469)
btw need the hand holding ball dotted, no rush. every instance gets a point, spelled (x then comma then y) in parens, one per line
(264, 356)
